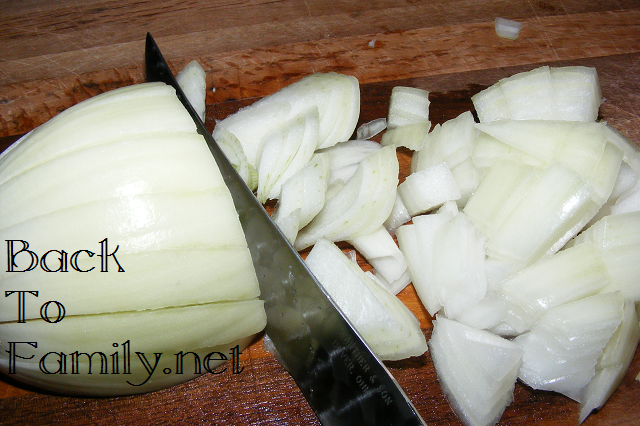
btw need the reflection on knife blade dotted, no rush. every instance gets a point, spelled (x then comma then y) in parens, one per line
(340, 377)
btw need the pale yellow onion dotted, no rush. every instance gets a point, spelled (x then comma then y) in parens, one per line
(202, 329)
(563, 93)
(336, 96)
(126, 169)
(476, 369)
(360, 206)
(408, 105)
(193, 82)
(389, 327)
(506, 28)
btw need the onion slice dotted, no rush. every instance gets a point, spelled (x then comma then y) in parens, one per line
(408, 105)
(371, 128)
(570, 93)
(562, 349)
(336, 96)
(388, 326)
(192, 81)
(360, 206)
(506, 28)
(476, 369)
(384, 255)
(613, 364)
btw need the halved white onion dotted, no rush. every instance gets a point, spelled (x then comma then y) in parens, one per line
(125, 183)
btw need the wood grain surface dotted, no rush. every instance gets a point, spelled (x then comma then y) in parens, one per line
(55, 54)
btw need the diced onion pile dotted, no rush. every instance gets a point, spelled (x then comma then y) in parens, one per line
(330, 189)
(520, 233)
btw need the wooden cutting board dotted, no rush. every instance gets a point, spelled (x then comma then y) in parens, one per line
(55, 54)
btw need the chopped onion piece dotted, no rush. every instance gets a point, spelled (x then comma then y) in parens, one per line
(302, 196)
(383, 254)
(285, 151)
(499, 270)
(467, 178)
(411, 136)
(250, 124)
(629, 201)
(336, 96)
(603, 176)
(506, 28)
(624, 269)
(399, 215)
(408, 244)
(417, 242)
(491, 104)
(622, 196)
(557, 205)
(617, 238)
(458, 265)
(450, 208)
(193, 82)
(427, 189)
(452, 143)
(627, 177)
(388, 326)
(360, 206)
(289, 224)
(352, 255)
(513, 322)
(577, 93)
(408, 105)
(613, 364)
(230, 146)
(396, 286)
(566, 93)
(371, 128)
(613, 231)
(562, 349)
(504, 186)
(487, 150)
(578, 145)
(568, 275)
(485, 314)
(630, 149)
(429, 155)
(346, 156)
(530, 95)
(476, 369)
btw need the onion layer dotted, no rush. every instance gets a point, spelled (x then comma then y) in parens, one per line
(131, 240)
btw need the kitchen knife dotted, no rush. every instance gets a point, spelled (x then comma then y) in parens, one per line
(343, 381)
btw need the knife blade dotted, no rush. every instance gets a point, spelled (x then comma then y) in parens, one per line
(341, 378)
